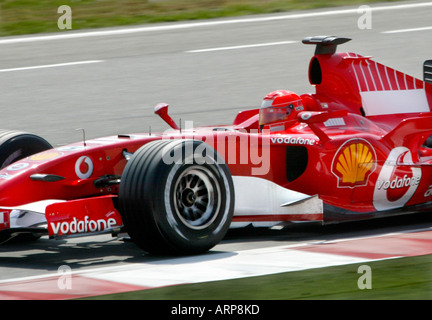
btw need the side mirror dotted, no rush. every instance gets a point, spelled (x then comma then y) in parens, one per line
(162, 111)
(311, 118)
(319, 117)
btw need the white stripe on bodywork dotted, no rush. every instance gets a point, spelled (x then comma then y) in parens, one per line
(257, 196)
(394, 102)
(28, 215)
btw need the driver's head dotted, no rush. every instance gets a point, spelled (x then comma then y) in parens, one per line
(280, 105)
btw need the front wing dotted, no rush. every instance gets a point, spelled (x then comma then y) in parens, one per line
(59, 218)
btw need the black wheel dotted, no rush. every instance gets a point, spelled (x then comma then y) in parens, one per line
(16, 145)
(176, 197)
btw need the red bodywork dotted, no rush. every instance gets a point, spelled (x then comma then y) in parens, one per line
(359, 150)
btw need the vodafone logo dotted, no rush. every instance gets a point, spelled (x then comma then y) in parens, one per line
(293, 140)
(82, 226)
(397, 181)
(84, 167)
(428, 193)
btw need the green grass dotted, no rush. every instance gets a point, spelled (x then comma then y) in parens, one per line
(29, 16)
(394, 279)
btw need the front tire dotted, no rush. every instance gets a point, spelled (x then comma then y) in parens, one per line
(176, 197)
(17, 145)
(14, 146)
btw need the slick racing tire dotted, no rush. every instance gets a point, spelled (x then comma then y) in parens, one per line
(16, 145)
(176, 197)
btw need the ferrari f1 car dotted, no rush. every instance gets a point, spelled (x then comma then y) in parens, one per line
(360, 147)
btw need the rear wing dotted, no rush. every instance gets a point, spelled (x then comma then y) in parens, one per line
(364, 86)
(325, 44)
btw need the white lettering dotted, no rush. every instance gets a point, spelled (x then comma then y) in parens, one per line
(82, 226)
(64, 227)
(236, 309)
(55, 227)
(380, 200)
(199, 311)
(398, 183)
(243, 147)
(428, 192)
(112, 222)
(293, 140)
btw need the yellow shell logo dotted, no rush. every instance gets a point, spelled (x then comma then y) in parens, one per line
(353, 163)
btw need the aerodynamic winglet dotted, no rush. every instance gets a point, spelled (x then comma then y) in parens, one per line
(325, 44)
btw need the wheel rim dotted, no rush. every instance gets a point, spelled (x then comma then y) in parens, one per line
(196, 197)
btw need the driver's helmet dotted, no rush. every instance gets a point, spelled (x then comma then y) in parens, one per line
(280, 105)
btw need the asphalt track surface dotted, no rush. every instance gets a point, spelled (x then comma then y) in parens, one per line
(109, 81)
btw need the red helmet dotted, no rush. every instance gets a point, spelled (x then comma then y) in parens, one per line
(280, 105)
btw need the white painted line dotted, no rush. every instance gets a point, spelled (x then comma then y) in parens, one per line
(223, 267)
(218, 256)
(175, 26)
(52, 65)
(211, 267)
(408, 30)
(242, 46)
(217, 265)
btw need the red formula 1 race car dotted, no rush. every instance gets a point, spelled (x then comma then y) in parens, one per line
(360, 147)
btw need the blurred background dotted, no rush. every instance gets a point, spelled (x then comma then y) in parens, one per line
(27, 16)
(208, 59)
